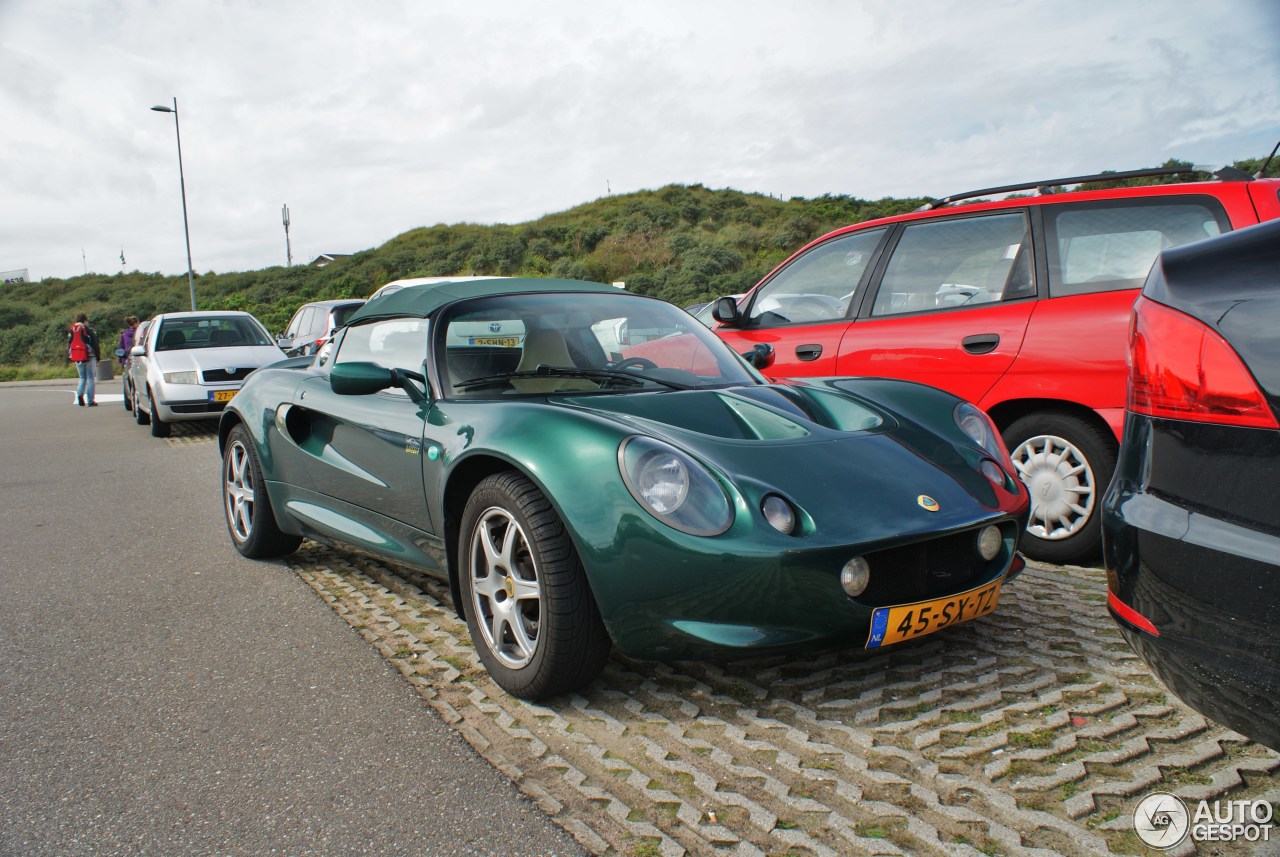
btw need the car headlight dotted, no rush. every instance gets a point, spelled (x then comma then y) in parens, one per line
(180, 378)
(673, 487)
(978, 426)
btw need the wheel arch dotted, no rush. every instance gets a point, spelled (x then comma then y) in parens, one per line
(462, 481)
(1007, 413)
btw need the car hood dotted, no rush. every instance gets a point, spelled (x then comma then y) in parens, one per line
(761, 413)
(231, 357)
(818, 443)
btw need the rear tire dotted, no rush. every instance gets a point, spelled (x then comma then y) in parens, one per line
(140, 416)
(246, 505)
(1066, 464)
(532, 618)
(159, 428)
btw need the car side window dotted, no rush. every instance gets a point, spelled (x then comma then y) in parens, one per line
(1110, 246)
(818, 285)
(295, 324)
(397, 343)
(966, 261)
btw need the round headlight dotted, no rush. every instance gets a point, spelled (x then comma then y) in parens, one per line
(673, 487)
(663, 482)
(779, 514)
(978, 426)
(989, 542)
(992, 471)
(855, 576)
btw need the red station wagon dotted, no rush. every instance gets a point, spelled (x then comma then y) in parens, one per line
(1020, 305)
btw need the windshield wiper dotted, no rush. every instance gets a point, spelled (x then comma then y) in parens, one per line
(565, 372)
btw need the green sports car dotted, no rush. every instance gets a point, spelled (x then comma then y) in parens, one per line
(588, 467)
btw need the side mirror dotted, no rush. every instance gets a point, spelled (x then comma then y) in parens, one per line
(138, 351)
(760, 356)
(283, 342)
(119, 353)
(359, 378)
(726, 312)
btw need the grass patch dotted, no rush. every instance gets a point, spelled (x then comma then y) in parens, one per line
(961, 717)
(1038, 738)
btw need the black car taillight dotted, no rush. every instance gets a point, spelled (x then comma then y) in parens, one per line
(1181, 369)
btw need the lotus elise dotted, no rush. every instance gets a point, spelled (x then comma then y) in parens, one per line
(588, 467)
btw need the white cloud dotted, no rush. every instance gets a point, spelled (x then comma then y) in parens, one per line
(371, 121)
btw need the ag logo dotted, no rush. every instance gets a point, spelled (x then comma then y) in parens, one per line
(927, 503)
(1161, 820)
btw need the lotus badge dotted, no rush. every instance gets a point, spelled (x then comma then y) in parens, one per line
(927, 503)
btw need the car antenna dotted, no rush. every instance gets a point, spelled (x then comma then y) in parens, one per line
(1262, 171)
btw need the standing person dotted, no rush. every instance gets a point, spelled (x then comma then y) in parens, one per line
(82, 349)
(126, 339)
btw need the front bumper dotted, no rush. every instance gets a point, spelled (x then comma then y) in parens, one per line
(735, 603)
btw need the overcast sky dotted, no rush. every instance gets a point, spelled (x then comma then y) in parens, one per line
(370, 119)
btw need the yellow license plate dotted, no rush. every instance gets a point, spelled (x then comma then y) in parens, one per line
(504, 341)
(907, 621)
(222, 395)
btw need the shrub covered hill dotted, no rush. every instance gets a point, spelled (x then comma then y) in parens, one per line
(680, 243)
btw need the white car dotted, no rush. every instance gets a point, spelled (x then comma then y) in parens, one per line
(190, 364)
(397, 285)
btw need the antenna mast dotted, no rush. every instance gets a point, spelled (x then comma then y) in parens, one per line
(288, 250)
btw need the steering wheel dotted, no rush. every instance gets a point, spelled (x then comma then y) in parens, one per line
(638, 362)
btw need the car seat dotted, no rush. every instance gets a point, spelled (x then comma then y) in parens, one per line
(547, 348)
(172, 339)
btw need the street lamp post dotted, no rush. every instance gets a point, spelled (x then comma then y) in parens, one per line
(182, 182)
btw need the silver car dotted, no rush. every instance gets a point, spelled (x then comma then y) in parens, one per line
(190, 364)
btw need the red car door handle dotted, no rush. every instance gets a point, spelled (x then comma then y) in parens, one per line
(808, 352)
(982, 343)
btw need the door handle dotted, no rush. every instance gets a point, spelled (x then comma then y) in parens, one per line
(981, 343)
(808, 352)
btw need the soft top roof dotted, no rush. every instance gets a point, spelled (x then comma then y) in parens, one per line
(421, 301)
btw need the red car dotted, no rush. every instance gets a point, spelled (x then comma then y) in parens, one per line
(1020, 305)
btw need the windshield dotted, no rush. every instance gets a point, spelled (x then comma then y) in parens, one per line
(540, 344)
(213, 332)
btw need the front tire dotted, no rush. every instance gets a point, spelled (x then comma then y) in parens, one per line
(159, 428)
(250, 520)
(532, 618)
(1066, 464)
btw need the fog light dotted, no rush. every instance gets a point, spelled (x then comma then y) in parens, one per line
(779, 514)
(855, 576)
(989, 542)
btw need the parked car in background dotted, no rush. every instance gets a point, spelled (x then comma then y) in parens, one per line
(130, 395)
(397, 285)
(1190, 523)
(1020, 305)
(313, 324)
(188, 365)
(576, 494)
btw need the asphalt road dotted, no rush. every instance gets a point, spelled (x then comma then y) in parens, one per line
(159, 694)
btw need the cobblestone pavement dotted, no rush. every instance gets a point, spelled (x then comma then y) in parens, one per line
(1031, 731)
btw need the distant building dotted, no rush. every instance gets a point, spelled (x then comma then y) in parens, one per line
(325, 258)
(19, 276)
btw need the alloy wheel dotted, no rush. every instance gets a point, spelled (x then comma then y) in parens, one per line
(505, 587)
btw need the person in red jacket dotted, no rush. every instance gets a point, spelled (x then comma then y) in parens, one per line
(82, 350)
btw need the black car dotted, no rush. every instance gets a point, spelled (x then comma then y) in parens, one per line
(1191, 522)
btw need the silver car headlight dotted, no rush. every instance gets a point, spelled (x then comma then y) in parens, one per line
(673, 487)
(974, 422)
(180, 378)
